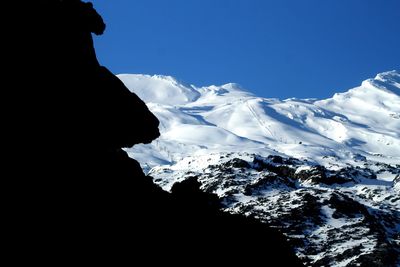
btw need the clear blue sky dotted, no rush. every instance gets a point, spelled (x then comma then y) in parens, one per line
(274, 48)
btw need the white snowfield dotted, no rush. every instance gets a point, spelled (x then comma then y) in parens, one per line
(362, 123)
(339, 215)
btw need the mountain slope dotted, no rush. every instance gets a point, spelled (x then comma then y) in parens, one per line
(332, 217)
(326, 173)
(362, 122)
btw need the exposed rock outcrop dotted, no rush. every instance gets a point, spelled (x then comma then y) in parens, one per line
(332, 216)
(396, 182)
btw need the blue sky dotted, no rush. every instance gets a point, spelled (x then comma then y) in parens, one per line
(274, 48)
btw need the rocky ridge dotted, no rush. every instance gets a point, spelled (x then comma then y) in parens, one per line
(333, 216)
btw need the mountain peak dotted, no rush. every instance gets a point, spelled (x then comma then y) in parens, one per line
(159, 89)
(362, 121)
(388, 82)
(233, 86)
(389, 76)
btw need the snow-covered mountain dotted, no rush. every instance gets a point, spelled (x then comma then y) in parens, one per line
(325, 172)
(363, 122)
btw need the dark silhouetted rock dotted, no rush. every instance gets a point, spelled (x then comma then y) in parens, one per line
(76, 196)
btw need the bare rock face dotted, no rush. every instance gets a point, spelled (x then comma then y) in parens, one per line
(396, 183)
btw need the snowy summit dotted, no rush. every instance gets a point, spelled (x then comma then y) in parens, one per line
(363, 122)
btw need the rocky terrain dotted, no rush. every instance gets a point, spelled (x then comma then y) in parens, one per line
(333, 216)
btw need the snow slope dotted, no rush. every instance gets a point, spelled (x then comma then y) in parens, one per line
(363, 122)
(326, 173)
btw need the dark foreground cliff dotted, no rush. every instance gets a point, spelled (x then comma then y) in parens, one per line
(75, 195)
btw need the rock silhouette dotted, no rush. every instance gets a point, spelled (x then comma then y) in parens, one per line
(78, 197)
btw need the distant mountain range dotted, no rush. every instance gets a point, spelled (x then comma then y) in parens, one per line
(325, 172)
(362, 122)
